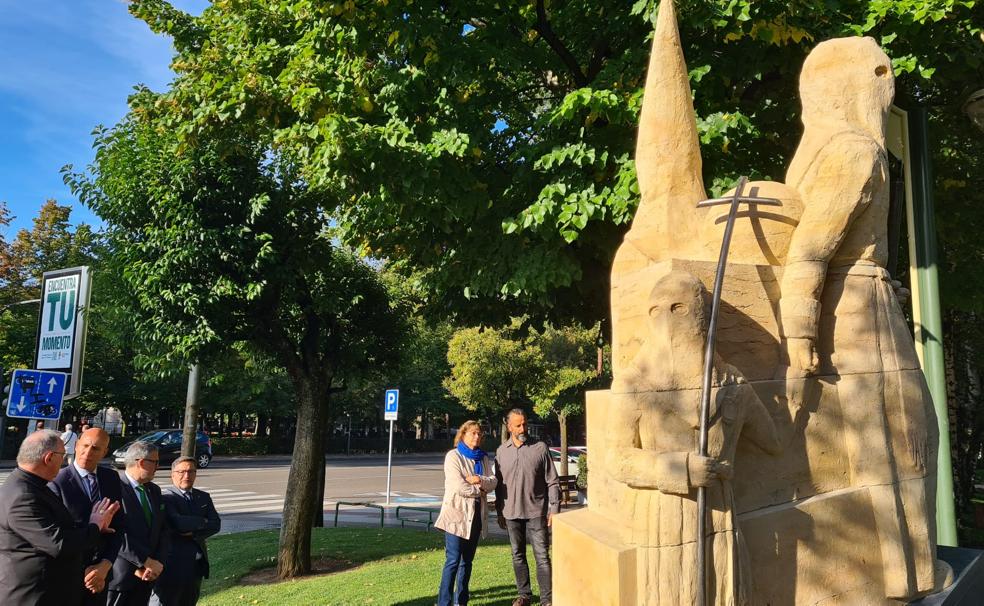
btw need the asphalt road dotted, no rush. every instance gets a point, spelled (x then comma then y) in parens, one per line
(257, 485)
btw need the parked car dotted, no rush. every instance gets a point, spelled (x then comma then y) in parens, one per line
(168, 442)
(573, 452)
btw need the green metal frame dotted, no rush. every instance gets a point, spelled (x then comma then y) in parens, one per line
(414, 520)
(382, 513)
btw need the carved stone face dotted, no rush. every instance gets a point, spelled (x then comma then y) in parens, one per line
(676, 312)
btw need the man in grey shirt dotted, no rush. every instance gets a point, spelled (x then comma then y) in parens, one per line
(526, 497)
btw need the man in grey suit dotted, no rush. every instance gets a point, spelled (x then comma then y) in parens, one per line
(191, 518)
(41, 546)
(145, 539)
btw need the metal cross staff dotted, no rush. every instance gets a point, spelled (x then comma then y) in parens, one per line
(735, 200)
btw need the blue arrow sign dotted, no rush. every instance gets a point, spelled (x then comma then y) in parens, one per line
(392, 404)
(36, 394)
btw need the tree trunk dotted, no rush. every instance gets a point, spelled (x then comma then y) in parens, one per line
(294, 552)
(188, 438)
(562, 421)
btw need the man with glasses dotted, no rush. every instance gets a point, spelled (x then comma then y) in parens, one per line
(145, 538)
(191, 518)
(41, 546)
(79, 485)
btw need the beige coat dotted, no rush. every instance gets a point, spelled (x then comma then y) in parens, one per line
(458, 506)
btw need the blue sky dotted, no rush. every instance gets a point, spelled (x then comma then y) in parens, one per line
(65, 67)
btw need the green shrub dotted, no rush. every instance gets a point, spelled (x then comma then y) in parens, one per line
(582, 472)
(261, 445)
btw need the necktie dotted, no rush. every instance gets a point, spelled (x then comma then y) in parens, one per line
(93, 487)
(148, 515)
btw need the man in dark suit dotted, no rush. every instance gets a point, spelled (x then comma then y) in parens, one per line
(81, 484)
(145, 539)
(41, 547)
(191, 518)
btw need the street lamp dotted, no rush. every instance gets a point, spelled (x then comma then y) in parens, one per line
(974, 108)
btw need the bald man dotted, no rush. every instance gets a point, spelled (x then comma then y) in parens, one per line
(81, 484)
(41, 545)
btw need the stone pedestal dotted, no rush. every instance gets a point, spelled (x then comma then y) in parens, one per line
(968, 589)
(811, 536)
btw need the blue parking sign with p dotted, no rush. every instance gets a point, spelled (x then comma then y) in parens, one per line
(392, 404)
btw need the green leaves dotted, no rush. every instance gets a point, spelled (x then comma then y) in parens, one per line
(461, 141)
(493, 370)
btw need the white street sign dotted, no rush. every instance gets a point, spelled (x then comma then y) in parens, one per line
(391, 408)
(62, 324)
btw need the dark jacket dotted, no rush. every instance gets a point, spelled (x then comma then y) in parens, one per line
(41, 547)
(197, 517)
(68, 486)
(140, 541)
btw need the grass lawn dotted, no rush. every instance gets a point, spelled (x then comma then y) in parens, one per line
(391, 567)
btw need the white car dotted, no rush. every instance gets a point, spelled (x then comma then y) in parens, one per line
(573, 452)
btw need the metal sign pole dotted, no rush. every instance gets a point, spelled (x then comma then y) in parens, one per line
(389, 465)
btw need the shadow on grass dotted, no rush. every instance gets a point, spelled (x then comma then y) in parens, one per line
(500, 594)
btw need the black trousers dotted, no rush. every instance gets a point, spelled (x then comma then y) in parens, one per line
(535, 532)
(172, 593)
(138, 596)
(93, 599)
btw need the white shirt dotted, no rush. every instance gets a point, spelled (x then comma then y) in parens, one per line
(133, 483)
(69, 438)
(84, 474)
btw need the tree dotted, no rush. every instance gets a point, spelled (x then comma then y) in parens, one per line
(517, 119)
(222, 242)
(486, 147)
(569, 368)
(492, 371)
(50, 244)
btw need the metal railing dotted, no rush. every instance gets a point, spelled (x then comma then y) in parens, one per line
(382, 513)
(415, 520)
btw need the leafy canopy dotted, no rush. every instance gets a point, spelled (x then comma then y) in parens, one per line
(486, 146)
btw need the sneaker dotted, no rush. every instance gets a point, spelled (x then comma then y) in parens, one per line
(521, 601)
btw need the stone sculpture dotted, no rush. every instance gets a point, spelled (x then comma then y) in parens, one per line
(813, 354)
(653, 430)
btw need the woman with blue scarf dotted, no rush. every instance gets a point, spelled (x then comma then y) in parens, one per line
(468, 478)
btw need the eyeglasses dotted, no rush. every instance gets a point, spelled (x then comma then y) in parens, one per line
(186, 472)
(62, 453)
(155, 462)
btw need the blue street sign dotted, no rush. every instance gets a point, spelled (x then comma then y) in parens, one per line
(392, 406)
(36, 394)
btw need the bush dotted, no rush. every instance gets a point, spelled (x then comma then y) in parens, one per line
(582, 472)
(262, 445)
(270, 445)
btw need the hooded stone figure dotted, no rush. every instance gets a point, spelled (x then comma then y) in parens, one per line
(654, 433)
(839, 315)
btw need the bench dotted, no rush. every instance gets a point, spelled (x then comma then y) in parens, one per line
(382, 521)
(416, 517)
(568, 490)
